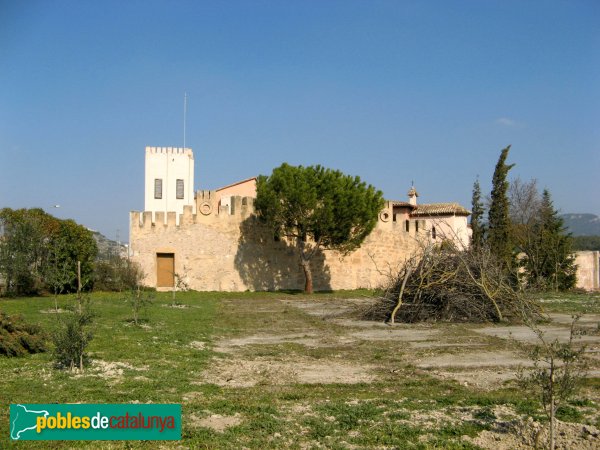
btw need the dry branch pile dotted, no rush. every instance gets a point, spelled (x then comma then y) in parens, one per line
(447, 284)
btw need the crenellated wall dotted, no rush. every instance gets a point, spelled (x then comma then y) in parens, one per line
(227, 249)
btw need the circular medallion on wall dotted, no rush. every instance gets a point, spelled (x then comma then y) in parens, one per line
(205, 208)
(384, 216)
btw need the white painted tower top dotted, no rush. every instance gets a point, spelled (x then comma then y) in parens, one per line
(169, 179)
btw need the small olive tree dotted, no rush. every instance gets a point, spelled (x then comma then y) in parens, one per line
(139, 300)
(317, 208)
(558, 369)
(73, 335)
(136, 296)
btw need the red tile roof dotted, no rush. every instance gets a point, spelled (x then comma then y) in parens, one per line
(440, 209)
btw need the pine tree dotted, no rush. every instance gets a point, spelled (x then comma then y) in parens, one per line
(477, 227)
(498, 215)
(317, 208)
(557, 264)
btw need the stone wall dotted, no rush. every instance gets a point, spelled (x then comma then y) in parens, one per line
(226, 249)
(588, 270)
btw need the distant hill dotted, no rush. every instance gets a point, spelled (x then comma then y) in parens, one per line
(108, 248)
(582, 224)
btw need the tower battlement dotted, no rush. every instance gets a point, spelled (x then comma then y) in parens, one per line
(170, 151)
(208, 211)
(169, 180)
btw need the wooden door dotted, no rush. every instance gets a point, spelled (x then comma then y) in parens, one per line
(165, 270)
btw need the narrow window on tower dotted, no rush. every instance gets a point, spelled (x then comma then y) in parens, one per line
(158, 188)
(179, 189)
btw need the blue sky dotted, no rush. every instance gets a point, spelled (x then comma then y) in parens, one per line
(393, 91)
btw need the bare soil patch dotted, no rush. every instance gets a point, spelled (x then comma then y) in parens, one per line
(457, 355)
(396, 334)
(198, 345)
(586, 320)
(246, 373)
(523, 434)
(230, 345)
(329, 309)
(109, 370)
(526, 335)
(480, 369)
(216, 422)
(332, 347)
(475, 359)
(54, 311)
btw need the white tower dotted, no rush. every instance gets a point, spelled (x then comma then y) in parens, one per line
(412, 195)
(169, 184)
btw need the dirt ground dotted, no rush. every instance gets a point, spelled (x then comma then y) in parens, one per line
(483, 357)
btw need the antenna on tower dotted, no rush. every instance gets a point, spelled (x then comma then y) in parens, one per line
(184, 115)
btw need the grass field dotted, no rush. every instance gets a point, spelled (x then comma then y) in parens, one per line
(285, 370)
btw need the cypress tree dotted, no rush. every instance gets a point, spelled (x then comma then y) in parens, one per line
(477, 227)
(498, 215)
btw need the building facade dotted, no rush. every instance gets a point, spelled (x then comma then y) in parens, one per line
(216, 243)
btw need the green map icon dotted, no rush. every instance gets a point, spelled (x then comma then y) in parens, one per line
(23, 420)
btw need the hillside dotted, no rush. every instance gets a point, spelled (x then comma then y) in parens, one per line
(108, 248)
(582, 224)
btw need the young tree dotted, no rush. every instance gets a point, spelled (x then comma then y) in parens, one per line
(557, 372)
(57, 273)
(317, 208)
(73, 335)
(477, 227)
(498, 216)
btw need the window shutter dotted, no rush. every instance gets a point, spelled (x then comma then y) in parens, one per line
(179, 189)
(158, 188)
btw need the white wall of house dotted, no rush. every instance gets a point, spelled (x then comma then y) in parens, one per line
(166, 167)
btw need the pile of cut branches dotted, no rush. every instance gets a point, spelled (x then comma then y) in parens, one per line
(19, 338)
(443, 283)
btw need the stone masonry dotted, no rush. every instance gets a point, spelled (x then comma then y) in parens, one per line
(227, 249)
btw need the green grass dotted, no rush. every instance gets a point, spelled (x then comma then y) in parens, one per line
(569, 302)
(159, 365)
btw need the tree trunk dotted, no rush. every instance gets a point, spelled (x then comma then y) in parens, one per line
(79, 285)
(395, 311)
(308, 284)
(552, 407)
(305, 263)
